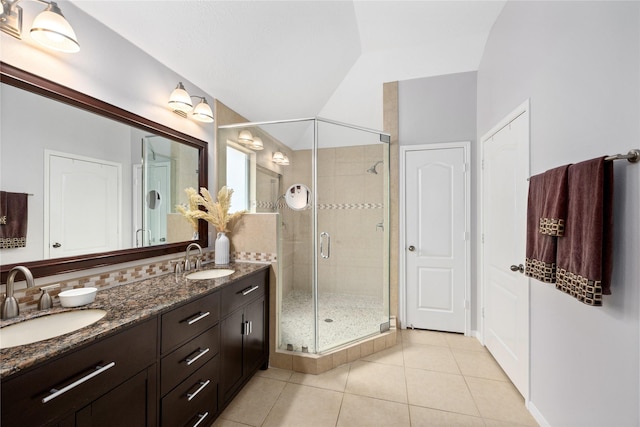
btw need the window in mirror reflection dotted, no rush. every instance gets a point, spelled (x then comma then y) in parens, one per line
(238, 178)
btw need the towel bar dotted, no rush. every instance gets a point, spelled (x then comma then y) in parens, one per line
(633, 156)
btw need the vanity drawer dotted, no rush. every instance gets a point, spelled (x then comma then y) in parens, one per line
(202, 388)
(81, 376)
(183, 323)
(244, 291)
(181, 363)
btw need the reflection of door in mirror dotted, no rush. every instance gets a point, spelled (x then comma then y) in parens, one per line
(83, 201)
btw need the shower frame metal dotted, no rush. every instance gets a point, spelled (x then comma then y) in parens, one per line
(384, 138)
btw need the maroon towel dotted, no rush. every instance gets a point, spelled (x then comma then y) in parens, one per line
(584, 254)
(13, 220)
(540, 262)
(554, 209)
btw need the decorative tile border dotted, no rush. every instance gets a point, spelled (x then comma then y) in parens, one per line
(254, 256)
(350, 205)
(341, 206)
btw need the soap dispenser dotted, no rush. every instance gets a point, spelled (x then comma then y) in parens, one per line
(45, 301)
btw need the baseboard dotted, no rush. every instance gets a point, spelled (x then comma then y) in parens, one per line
(537, 414)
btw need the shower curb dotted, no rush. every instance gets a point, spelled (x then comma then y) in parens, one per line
(315, 364)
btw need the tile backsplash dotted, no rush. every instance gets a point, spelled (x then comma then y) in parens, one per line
(28, 298)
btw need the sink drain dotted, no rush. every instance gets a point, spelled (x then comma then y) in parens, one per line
(328, 320)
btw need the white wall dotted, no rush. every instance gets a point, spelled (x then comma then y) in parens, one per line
(442, 109)
(579, 63)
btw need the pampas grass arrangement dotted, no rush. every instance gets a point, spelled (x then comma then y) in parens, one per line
(193, 207)
(216, 213)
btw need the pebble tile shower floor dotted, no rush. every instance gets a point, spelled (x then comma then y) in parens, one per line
(343, 318)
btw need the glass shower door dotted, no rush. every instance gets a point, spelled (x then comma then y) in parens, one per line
(351, 234)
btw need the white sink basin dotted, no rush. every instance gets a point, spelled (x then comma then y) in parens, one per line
(45, 327)
(210, 274)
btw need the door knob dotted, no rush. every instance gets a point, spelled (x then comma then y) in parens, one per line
(56, 245)
(412, 248)
(519, 268)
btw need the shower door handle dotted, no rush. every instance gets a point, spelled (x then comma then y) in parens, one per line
(322, 236)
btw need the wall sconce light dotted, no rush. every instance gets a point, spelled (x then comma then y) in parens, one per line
(253, 142)
(180, 103)
(245, 137)
(49, 28)
(280, 159)
(257, 144)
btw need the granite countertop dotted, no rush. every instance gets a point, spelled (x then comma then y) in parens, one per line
(125, 305)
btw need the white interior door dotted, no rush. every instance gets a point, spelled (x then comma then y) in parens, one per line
(504, 203)
(436, 237)
(84, 205)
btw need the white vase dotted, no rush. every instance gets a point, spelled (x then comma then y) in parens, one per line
(222, 249)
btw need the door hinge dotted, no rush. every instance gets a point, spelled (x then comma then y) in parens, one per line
(466, 304)
(466, 236)
(482, 237)
(483, 312)
(482, 164)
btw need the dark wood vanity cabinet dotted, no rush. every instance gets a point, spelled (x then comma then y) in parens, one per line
(243, 333)
(180, 368)
(80, 385)
(190, 363)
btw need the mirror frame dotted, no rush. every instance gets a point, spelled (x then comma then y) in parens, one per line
(30, 82)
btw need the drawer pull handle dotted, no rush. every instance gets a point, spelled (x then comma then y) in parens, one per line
(201, 418)
(247, 327)
(249, 290)
(200, 352)
(197, 317)
(190, 396)
(98, 370)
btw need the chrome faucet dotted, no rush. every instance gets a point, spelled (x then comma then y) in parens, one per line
(187, 263)
(10, 306)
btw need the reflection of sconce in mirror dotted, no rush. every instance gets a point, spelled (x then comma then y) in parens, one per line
(298, 197)
(280, 159)
(49, 28)
(253, 142)
(180, 102)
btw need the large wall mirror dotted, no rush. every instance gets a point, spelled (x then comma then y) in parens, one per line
(101, 183)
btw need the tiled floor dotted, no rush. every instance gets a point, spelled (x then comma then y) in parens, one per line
(427, 379)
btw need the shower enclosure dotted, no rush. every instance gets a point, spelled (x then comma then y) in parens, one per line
(333, 258)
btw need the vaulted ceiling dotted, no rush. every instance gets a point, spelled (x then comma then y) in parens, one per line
(273, 60)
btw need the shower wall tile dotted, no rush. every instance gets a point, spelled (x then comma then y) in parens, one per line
(373, 153)
(255, 233)
(326, 162)
(350, 154)
(350, 169)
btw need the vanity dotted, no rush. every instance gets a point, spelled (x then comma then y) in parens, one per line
(171, 351)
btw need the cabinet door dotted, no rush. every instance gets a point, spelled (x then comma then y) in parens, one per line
(124, 406)
(85, 374)
(230, 352)
(255, 344)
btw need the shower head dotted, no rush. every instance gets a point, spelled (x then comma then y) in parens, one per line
(372, 169)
